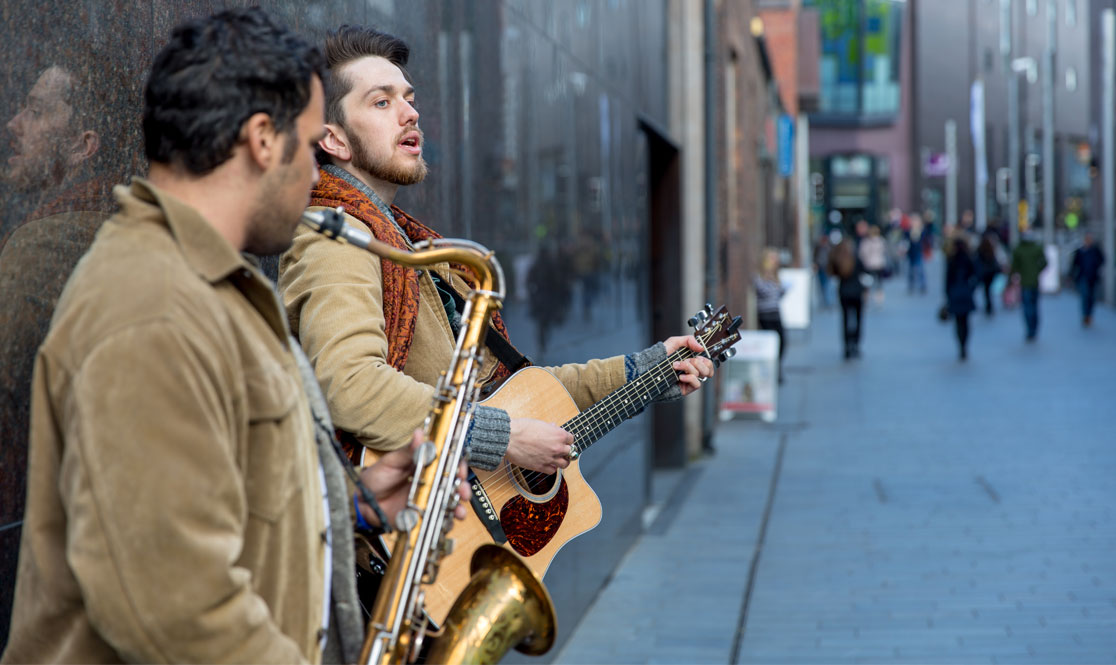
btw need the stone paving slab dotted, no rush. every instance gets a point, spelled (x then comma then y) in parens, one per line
(925, 510)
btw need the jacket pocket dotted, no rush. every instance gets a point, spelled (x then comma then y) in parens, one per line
(271, 476)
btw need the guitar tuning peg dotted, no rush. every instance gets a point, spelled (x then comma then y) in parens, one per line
(708, 309)
(736, 322)
(698, 319)
(726, 354)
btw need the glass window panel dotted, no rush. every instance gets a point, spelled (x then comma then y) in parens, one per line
(860, 48)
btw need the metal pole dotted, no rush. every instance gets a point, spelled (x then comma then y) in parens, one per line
(1030, 175)
(802, 183)
(708, 405)
(980, 170)
(951, 176)
(1048, 124)
(1108, 163)
(1013, 121)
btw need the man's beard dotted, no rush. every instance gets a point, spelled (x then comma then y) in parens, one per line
(38, 172)
(271, 227)
(385, 170)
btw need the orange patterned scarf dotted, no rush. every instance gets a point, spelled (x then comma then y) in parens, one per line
(400, 283)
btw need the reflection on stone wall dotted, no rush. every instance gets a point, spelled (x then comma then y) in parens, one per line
(530, 114)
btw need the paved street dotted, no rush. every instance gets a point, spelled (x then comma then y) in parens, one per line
(905, 508)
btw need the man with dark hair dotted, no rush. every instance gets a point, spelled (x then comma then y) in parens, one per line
(378, 334)
(1085, 270)
(184, 502)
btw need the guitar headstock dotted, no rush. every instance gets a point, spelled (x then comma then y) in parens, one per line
(718, 331)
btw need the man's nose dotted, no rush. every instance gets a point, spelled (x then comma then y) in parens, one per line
(410, 114)
(15, 122)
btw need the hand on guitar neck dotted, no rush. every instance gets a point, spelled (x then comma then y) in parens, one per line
(693, 371)
(541, 446)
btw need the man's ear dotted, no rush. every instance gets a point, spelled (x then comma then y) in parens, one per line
(85, 146)
(336, 143)
(260, 139)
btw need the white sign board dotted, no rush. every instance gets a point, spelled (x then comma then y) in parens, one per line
(1050, 277)
(794, 308)
(751, 378)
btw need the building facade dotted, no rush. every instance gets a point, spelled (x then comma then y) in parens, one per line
(860, 132)
(990, 42)
(542, 122)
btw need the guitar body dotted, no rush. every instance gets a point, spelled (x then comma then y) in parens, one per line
(539, 514)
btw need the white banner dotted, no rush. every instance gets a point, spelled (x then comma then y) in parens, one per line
(976, 127)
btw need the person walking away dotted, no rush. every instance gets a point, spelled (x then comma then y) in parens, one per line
(1027, 261)
(821, 263)
(988, 266)
(916, 268)
(1085, 271)
(844, 264)
(873, 255)
(769, 291)
(960, 281)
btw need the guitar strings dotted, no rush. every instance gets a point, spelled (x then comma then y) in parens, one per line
(603, 422)
(529, 476)
(659, 373)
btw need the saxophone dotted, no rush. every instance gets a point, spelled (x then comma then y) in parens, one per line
(504, 604)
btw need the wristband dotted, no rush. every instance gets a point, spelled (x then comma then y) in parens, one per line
(361, 522)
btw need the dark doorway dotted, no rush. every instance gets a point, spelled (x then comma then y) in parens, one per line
(664, 194)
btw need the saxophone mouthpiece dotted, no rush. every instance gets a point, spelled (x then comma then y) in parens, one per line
(331, 224)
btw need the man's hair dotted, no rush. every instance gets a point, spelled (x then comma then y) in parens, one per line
(213, 75)
(353, 42)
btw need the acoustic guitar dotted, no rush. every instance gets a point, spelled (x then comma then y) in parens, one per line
(534, 514)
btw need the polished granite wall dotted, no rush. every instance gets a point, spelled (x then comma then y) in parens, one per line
(530, 110)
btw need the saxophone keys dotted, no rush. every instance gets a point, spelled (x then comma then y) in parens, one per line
(407, 519)
(425, 454)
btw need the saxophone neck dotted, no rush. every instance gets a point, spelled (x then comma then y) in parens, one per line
(480, 260)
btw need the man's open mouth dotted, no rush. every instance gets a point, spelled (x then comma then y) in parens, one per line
(412, 143)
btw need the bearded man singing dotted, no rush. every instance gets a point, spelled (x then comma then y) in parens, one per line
(379, 334)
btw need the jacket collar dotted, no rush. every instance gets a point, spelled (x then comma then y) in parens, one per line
(204, 249)
(207, 252)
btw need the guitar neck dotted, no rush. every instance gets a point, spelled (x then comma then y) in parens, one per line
(625, 402)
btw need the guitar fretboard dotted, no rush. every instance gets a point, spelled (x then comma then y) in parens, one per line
(625, 402)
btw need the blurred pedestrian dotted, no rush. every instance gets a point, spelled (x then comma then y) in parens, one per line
(821, 263)
(1085, 270)
(769, 292)
(873, 255)
(960, 281)
(988, 266)
(916, 236)
(847, 267)
(1027, 261)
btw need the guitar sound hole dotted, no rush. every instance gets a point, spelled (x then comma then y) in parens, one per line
(530, 526)
(539, 483)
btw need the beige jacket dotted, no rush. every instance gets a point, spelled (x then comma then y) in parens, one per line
(174, 506)
(333, 295)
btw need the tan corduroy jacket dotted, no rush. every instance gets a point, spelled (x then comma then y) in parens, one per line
(174, 506)
(333, 295)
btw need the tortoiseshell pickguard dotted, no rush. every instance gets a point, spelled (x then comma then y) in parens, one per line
(529, 526)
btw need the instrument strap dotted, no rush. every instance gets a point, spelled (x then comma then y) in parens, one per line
(500, 347)
(351, 472)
